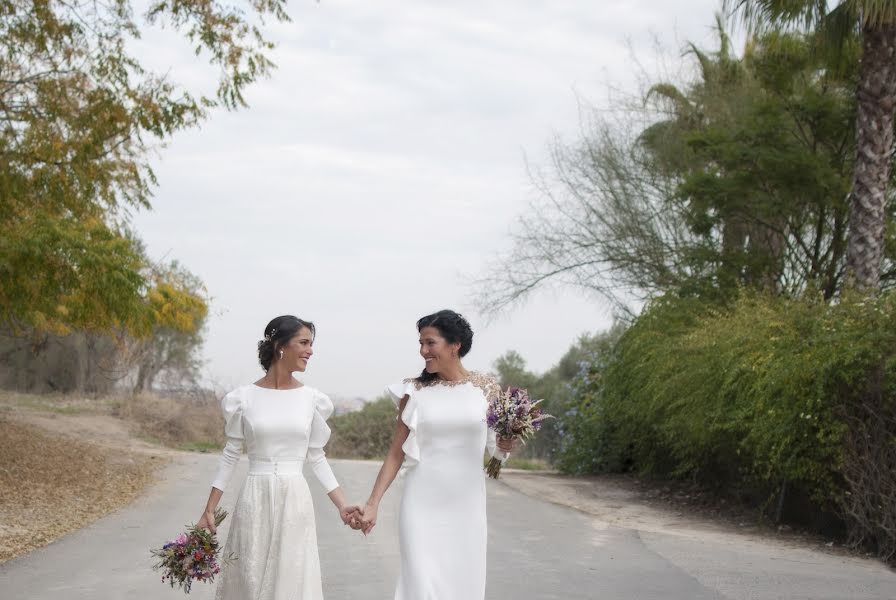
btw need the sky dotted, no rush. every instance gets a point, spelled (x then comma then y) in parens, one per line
(382, 166)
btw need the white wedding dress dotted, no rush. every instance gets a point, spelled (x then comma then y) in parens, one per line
(272, 529)
(442, 523)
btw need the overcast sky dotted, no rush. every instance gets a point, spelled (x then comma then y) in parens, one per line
(384, 162)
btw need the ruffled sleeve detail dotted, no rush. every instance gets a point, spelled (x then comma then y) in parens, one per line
(317, 439)
(232, 409)
(410, 417)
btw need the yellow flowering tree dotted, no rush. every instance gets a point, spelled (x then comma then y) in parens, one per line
(79, 114)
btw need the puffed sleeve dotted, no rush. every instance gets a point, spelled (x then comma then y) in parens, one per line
(232, 407)
(317, 439)
(410, 417)
(492, 389)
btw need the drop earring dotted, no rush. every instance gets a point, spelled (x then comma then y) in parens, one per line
(281, 354)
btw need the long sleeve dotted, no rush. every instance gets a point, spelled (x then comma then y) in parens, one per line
(232, 407)
(320, 434)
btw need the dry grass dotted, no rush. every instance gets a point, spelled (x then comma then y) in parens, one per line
(61, 404)
(66, 461)
(188, 423)
(51, 485)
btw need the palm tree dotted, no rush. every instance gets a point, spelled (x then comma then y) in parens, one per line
(874, 21)
(724, 82)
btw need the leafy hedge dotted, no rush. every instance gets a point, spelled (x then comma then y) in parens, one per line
(758, 395)
(366, 433)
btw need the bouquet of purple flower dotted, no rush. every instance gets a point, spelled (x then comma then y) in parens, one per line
(512, 414)
(193, 555)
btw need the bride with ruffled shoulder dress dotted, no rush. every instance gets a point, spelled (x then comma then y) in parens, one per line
(440, 439)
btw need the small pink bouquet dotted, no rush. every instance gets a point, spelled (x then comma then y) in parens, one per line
(193, 555)
(512, 414)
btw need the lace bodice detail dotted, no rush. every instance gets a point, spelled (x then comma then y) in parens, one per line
(487, 383)
(439, 402)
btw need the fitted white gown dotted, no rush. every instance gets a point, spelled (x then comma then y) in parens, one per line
(442, 522)
(272, 529)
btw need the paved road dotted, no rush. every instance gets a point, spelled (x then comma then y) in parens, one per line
(556, 553)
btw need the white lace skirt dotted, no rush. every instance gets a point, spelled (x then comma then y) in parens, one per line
(274, 539)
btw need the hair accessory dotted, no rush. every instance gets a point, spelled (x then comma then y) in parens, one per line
(269, 336)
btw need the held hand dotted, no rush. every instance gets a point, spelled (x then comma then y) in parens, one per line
(207, 521)
(368, 518)
(508, 445)
(351, 516)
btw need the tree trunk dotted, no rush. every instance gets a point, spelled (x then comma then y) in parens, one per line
(766, 248)
(140, 384)
(876, 100)
(734, 236)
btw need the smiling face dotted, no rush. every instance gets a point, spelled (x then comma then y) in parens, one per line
(436, 351)
(297, 351)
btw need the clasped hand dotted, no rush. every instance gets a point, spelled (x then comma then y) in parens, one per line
(363, 518)
(359, 518)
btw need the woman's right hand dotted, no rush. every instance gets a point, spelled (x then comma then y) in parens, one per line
(368, 518)
(207, 521)
(507, 444)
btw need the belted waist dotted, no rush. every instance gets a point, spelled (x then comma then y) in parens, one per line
(276, 466)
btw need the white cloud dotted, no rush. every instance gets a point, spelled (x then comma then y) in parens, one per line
(381, 160)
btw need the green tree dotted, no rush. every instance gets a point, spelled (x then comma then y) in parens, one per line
(874, 21)
(171, 350)
(736, 177)
(763, 146)
(365, 433)
(870, 434)
(80, 114)
(511, 370)
(554, 386)
(62, 273)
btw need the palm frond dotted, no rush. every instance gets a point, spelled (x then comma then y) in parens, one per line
(760, 16)
(707, 65)
(724, 39)
(669, 92)
(873, 13)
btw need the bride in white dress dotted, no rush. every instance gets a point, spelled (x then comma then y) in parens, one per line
(282, 424)
(440, 439)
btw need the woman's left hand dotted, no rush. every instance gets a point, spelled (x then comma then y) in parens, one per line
(508, 445)
(351, 516)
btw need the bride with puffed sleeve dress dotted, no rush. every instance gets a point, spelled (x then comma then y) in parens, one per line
(281, 423)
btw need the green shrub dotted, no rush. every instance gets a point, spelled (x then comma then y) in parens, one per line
(754, 395)
(555, 386)
(366, 433)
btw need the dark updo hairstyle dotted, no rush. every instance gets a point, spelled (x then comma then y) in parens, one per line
(454, 328)
(277, 334)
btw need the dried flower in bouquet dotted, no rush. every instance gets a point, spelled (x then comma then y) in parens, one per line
(191, 556)
(511, 413)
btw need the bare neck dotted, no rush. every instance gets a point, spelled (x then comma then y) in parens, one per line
(278, 379)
